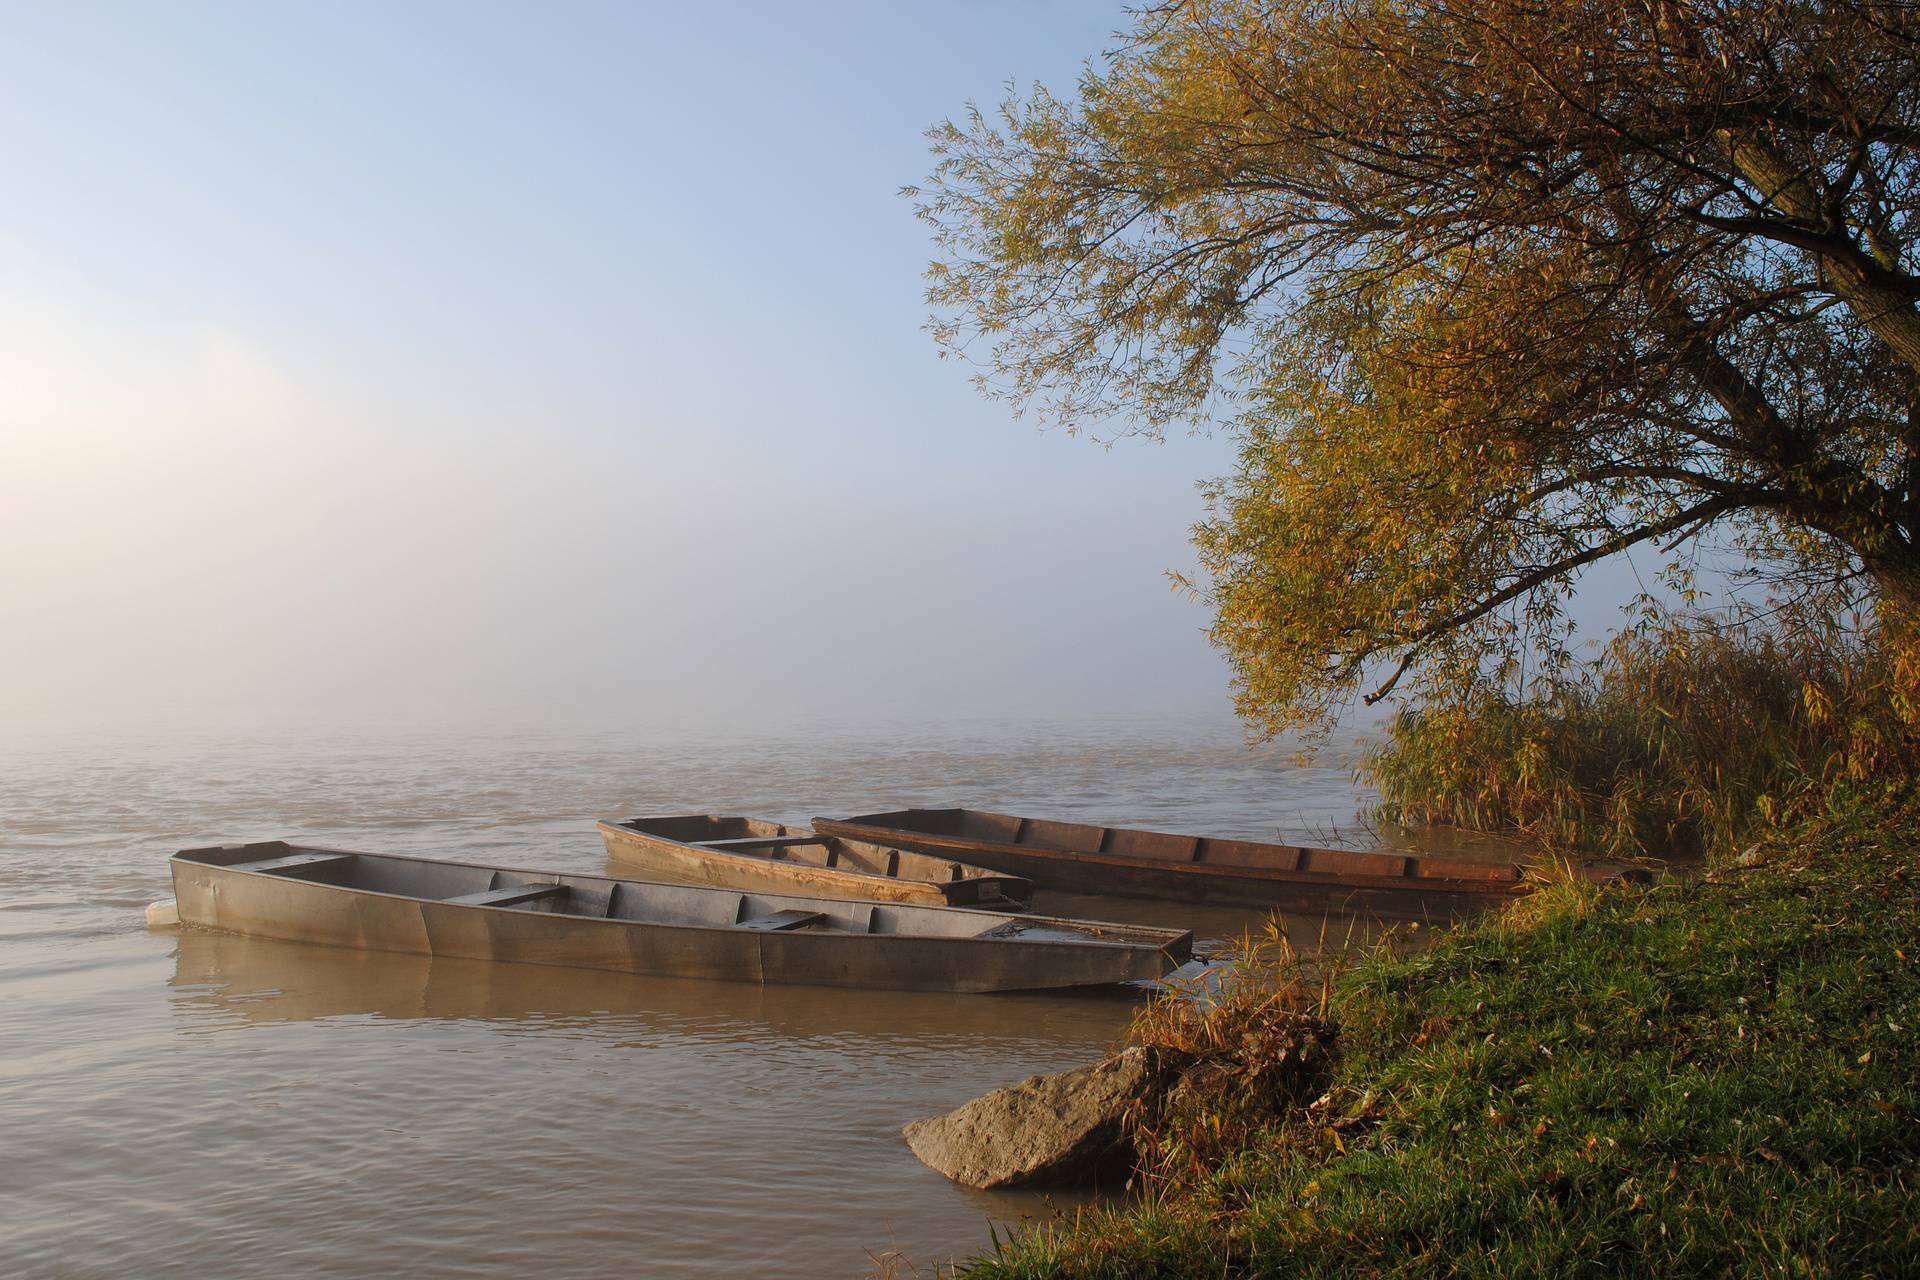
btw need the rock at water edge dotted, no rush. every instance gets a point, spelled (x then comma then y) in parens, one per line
(1053, 1130)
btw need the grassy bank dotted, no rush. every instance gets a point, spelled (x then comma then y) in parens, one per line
(1705, 1077)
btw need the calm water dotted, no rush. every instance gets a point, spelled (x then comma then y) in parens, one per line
(182, 1102)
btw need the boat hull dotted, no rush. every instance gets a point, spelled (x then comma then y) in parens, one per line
(298, 909)
(1177, 867)
(681, 860)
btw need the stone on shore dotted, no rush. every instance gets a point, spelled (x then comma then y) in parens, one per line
(1045, 1131)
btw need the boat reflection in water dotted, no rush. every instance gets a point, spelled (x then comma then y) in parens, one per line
(232, 980)
(507, 1118)
(520, 1119)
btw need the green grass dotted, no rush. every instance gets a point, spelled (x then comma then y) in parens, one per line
(1706, 1077)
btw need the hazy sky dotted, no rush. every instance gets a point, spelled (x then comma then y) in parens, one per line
(561, 361)
(555, 363)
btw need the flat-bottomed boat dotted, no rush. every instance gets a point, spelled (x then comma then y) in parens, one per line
(750, 853)
(422, 906)
(1118, 860)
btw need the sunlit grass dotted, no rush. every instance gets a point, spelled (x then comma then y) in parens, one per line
(1706, 1077)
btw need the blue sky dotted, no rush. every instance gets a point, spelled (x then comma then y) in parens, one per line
(537, 363)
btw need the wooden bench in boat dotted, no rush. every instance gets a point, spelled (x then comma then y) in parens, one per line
(508, 895)
(782, 921)
(293, 862)
(757, 842)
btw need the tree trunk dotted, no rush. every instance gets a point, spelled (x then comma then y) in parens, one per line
(1889, 314)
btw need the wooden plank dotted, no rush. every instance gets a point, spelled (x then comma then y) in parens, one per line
(1248, 853)
(508, 896)
(1047, 834)
(1151, 846)
(1464, 869)
(292, 862)
(971, 824)
(785, 919)
(1352, 862)
(757, 842)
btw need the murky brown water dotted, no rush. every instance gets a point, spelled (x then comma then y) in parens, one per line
(188, 1103)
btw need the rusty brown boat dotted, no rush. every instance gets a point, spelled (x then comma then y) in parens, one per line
(752, 853)
(473, 911)
(1120, 860)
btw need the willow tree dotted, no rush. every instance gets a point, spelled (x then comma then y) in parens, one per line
(1490, 290)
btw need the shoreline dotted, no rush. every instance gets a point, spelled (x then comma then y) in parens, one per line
(1709, 1075)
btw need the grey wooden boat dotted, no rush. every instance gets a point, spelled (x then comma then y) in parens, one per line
(382, 902)
(1119, 860)
(751, 853)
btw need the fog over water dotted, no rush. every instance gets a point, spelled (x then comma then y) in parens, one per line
(474, 365)
(466, 364)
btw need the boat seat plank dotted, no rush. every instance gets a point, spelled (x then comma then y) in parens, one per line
(757, 842)
(292, 862)
(783, 920)
(507, 896)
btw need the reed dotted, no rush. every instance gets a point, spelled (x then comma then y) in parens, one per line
(1689, 737)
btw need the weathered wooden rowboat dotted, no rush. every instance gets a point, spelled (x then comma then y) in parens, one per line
(750, 853)
(422, 906)
(1120, 860)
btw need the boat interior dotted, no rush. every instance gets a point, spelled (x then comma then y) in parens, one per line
(1156, 846)
(649, 902)
(756, 838)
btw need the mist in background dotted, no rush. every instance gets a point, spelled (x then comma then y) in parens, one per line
(435, 363)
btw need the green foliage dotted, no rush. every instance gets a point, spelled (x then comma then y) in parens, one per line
(1686, 738)
(1701, 1078)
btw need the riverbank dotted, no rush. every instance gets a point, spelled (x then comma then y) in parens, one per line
(1709, 1076)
